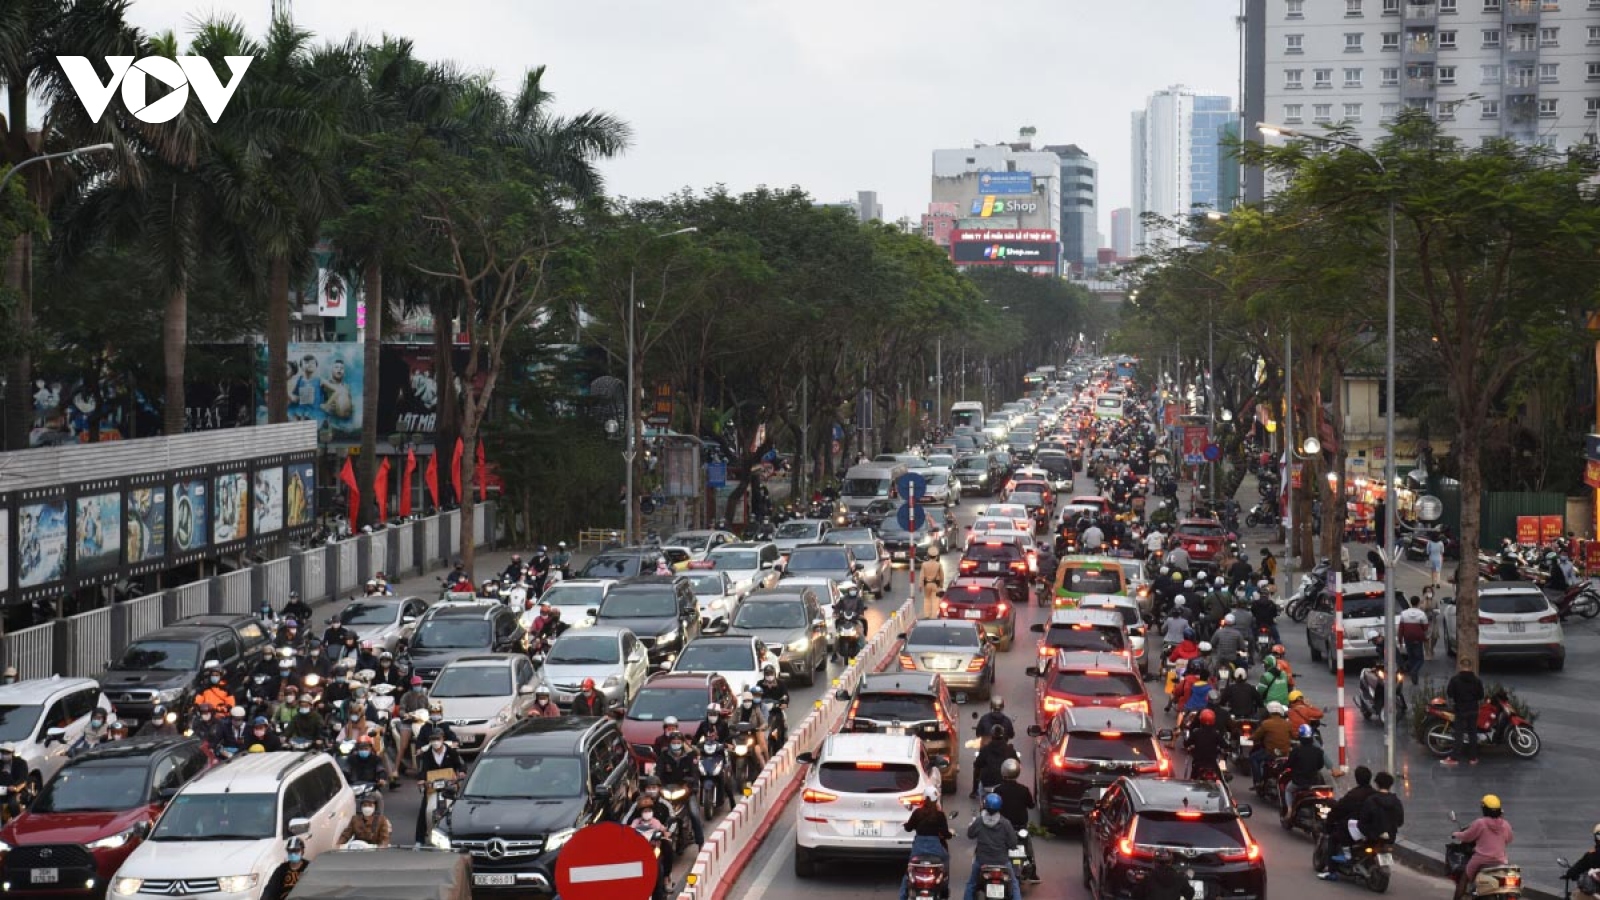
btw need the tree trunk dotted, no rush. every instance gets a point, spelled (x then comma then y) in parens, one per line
(372, 284)
(1471, 469)
(469, 478)
(278, 341)
(174, 347)
(19, 386)
(444, 373)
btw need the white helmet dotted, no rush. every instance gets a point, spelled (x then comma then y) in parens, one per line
(1220, 581)
(1188, 584)
(1277, 709)
(1228, 619)
(1205, 646)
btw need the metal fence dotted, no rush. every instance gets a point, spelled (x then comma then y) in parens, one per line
(80, 645)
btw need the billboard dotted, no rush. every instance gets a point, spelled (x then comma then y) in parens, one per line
(991, 222)
(97, 547)
(230, 508)
(299, 494)
(324, 387)
(146, 537)
(1001, 253)
(408, 391)
(989, 206)
(41, 542)
(1005, 182)
(266, 504)
(189, 506)
(1033, 235)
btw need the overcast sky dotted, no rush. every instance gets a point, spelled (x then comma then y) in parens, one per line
(832, 95)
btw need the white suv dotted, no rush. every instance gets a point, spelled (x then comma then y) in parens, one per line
(482, 695)
(43, 717)
(857, 794)
(1515, 619)
(226, 831)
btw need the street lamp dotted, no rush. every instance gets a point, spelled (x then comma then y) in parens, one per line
(1389, 499)
(47, 157)
(632, 452)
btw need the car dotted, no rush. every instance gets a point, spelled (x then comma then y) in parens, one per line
(1198, 821)
(1077, 577)
(483, 695)
(1021, 518)
(41, 718)
(574, 597)
(738, 658)
(751, 564)
(1515, 621)
(1083, 751)
(529, 793)
(94, 813)
(660, 609)
(876, 571)
(976, 474)
(820, 561)
(985, 601)
(790, 619)
(908, 549)
(1082, 631)
(622, 562)
(166, 666)
(454, 629)
(1203, 539)
(1030, 484)
(910, 702)
(985, 525)
(1010, 559)
(1038, 506)
(1101, 505)
(1136, 583)
(384, 622)
(683, 695)
(944, 489)
(225, 831)
(795, 532)
(959, 651)
(1128, 608)
(1363, 612)
(716, 595)
(858, 791)
(614, 657)
(700, 543)
(1071, 680)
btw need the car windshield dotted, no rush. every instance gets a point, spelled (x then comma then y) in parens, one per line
(986, 551)
(798, 530)
(819, 559)
(161, 656)
(472, 681)
(16, 722)
(525, 778)
(938, 479)
(769, 614)
(721, 656)
(582, 649)
(973, 594)
(1129, 614)
(359, 613)
(218, 817)
(655, 704)
(863, 552)
(930, 636)
(1083, 637)
(564, 594)
(942, 460)
(690, 541)
(863, 487)
(650, 604)
(1510, 604)
(1212, 832)
(1203, 531)
(1111, 746)
(1027, 498)
(869, 777)
(974, 463)
(604, 566)
(706, 585)
(737, 560)
(93, 788)
(888, 707)
(1097, 684)
(453, 633)
(1094, 581)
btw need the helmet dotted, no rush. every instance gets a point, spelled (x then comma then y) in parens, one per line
(769, 670)
(747, 697)
(1220, 581)
(588, 684)
(435, 706)
(1490, 801)
(1597, 832)
(929, 795)
(1207, 717)
(116, 726)
(1179, 601)
(237, 712)
(1296, 695)
(211, 665)
(416, 680)
(516, 557)
(1205, 646)
(1306, 734)
(256, 748)
(1011, 770)
(1277, 650)
(260, 720)
(295, 845)
(1269, 662)
(1277, 709)
(364, 743)
(669, 722)
(158, 711)
(1178, 576)
(713, 709)
(1228, 619)
(372, 582)
(1188, 584)
(541, 691)
(991, 802)
(997, 703)
(561, 545)
(385, 656)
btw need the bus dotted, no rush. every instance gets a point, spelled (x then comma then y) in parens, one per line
(1108, 405)
(968, 413)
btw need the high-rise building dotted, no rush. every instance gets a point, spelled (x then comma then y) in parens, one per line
(1122, 232)
(1519, 69)
(1178, 155)
(865, 207)
(1079, 208)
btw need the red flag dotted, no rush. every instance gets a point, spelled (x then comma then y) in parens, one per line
(405, 484)
(348, 476)
(455, 470)
(483, 483)
(432, 478)
(380, 486)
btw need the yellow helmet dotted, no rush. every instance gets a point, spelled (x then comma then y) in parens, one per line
(1490, 801)
(1296, 695)
(257, 748)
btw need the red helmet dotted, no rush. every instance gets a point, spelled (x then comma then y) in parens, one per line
(1208, 717)
(588, 684)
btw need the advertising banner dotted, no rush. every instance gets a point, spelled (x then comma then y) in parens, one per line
(1591, 473)
(1015, 235)
(41, 542)
(408, 391)
(324, 386)
(1551, 528)
(230, 508)
(299, 494)
(1194, 444)
(266, 507)
(1528, 530)
(1591, 558)
(331, 300)
(1296, 476)
(189, 506)
(98, 547)
(147, 524)
(1000, 253)
(989, 205)
(1005, 182)
(80, 410)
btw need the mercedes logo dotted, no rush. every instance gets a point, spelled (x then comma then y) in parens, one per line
(497, 849)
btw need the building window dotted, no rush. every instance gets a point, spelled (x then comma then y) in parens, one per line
(1391, 7)
(1294, 43)
(1322, 112)
(1389, 111)
(1490, 109)
(1352, 42)
(1548, 37)
(1491, 6)
(1390, 75)
(1447, 7)
(1322, 78)
(1447, 40)
(1447, 74)
(1491, 38)
(1421, 104)
(1591, 107)
(1352, 112)
(1547, 107)
(1391, 40)
(1291, 113)
(1522, 77)
(1549, 73)
(1352, 9)
(1293, 79)
(1490, 74)
(1352, 78)
(1296, 9)
(1594, 34)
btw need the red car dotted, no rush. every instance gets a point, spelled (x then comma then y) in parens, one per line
(982, 599)
(682, 694)
(94, 813)
(1079, 680)
(1203, 539)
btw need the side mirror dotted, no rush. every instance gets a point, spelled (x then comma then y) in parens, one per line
(299, 827)
(1449, 601)
(940, 762)
(841, 694)
(407, 620)
(1037, 628)
(902, 636)
(993, 638)
(807, 758)
(165, 795)
(1243, 810)
(1087, 805)
(664, 666)
(1562, 862)
(1031, 671)
(1035, 731)
(602, 792)
(1164, 735)
(55, 735)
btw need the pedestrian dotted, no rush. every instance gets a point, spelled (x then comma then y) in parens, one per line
(1465, 694)
(1379, 510)
(1435, 558)
(1379, 567)
(1413, 632)
(932, 578)
(1430, 606)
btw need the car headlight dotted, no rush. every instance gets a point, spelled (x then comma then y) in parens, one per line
(799, 645)
(666, 638)
(108, 843)
(612, 681)
(438, 840)
(503, 717)
(233, 884)
(169, 696)
(558, 839)
(717, 603)
(126, 886)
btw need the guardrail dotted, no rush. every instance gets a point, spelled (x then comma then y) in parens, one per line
(81, 644)
(593, 537)
(729, 845)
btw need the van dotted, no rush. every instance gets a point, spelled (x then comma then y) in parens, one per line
(868, 482)
(967, 412)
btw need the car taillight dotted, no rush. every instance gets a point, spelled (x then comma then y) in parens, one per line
(906, 662)
(812, 795)
(1140, 705)
(911, 801)
(968, 565)
(1060, 761)
(975, 664)
(1056, 704)
(1549, 620)
(1000, 609)
(1165, 767)
(1130, 850)
(1019, 566)
(1485, 620)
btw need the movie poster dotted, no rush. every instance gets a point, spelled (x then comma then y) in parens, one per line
(97, 548)
(230, 508)
(41, 542)
(267, 505)
(189, 505)
(147, 524)
(408, 392)
(324, 387)
(299, 494)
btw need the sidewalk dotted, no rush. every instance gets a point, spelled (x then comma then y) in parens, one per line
(1551, 800)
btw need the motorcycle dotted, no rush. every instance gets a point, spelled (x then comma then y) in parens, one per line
(1581, 600)
(1502, 882)
(713, 763)
(438, 796)
(745, 765)
(996, 882)
(1022, 861)
(1498, 723)
(777, 725)
(1263, 513)
(1369, 862)
(847, 630)
(927, 878)
(1370, 693)
(1312, 584)
(1588, 884)
(1263, 641)
(1308, 806)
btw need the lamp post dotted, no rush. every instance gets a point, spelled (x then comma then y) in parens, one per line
(1390, 501)
(632, 452)
(47, 157)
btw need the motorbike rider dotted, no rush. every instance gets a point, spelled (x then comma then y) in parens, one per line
(296, 608)
(543, 707)
(366, 764)
(1265, 613)
(1383, 814)
(335, 634)
(1205, 745)
(1229, 643)
(307, 723)
(850, 606)
(387, 672)
(436, 725)
(1305, 766)
(589, 701)
(676, 764)
(669, 732)
(1301, 712)
(14, 777)
(994, 838)
(457, 580)
(1490, 835)
(1347, 809)
(158, 724)
(288, 633)
(1579, 871)
(94, 734)
(930, 830)
(413, 701)
(715, 726)
(1164, 881)
(1240, 572)
(435, 756)
(234, 734)
(1274, 684)
(1016, 799)
(261, 733)
(562, 560)
(514, 570)
(749, 713)
(1273, 738)
(1243, 703)
(216, 693)
(367, 825)
(539, 568)
(339, 688)
(991, 760)
(932, 578)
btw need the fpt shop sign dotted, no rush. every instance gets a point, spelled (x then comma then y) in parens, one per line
(989, 205)
(1003, 253)
(1028, 235)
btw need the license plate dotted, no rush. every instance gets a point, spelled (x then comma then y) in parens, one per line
(1385, 859)
(974, 613)
(899, 555)
(997, 891)
(564, 698)
(1246, 742)
(868, 829)
(991, 567)
(944, 665)
(1518, 627)
(1199, 889)
(494, 880)
(46, 876)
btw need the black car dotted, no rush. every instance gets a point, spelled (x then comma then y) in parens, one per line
(1006, 558)
(907, 703)
(1197, 820)
(166, 666)
(622, 562)
(530, 791)
(660, 609)
(449, 631)
(907, 549)
(976, 474)
(1082, 751)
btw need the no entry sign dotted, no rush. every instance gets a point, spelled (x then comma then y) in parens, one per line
(606, 861)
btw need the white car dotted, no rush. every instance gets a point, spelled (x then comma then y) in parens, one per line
(752, 564)
(1128, 608)
(225, 832)
(698, 544)
(43, 717)
(716, 593)
(1515, 619)
(1016, 512)
(858, 791)
(575, 598)
(739, 659)
(484, 695)
(984, 525)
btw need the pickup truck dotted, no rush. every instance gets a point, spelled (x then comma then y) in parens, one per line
(166, 666)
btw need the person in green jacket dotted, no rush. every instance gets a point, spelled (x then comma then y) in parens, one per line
(1274, 685)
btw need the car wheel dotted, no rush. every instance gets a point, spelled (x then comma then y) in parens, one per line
(1087, 880)
(804, 865)
(1316, 655)
(808, 677)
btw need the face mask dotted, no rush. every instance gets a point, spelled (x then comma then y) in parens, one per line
(369, 811)
(363, 753)
(416, 688)
(990, 818)
(677, 747)
(647, 814)
(295, 857)
(260, 731)
(304, 710)
(712, 719)
(748, 703)
(215, 680)
(97, 723)
(435, 719)
(206, 716)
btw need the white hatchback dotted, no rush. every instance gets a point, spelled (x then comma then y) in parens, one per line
(858, 791)
(1016, 512)
(1515, 619)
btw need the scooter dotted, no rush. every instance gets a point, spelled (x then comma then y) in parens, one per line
(1501, 882)
(745, 765)
(1588, 882)
(1499, 723)
(1369, 862)
(996, 882)
(713, 761)
(927, 878)
(777, 725)
(1022, 861)
(1371, 688)
(1309, 812)
(847, 635)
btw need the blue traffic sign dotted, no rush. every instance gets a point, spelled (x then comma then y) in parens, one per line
(912, 518)
(716, 475)
(911, 486)
(1212, 453)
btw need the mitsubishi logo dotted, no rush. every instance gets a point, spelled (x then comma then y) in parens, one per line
(497, 849)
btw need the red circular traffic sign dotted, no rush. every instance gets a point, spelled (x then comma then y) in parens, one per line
(606, 861)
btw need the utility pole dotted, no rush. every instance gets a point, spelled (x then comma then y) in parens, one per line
(1288, 462)
(1211, 399)
(805, 432)
(938, 380)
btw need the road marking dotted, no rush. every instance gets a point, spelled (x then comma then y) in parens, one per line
(782, 850)
(612, 872)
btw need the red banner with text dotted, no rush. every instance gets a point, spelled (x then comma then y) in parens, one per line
(1528, 530)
